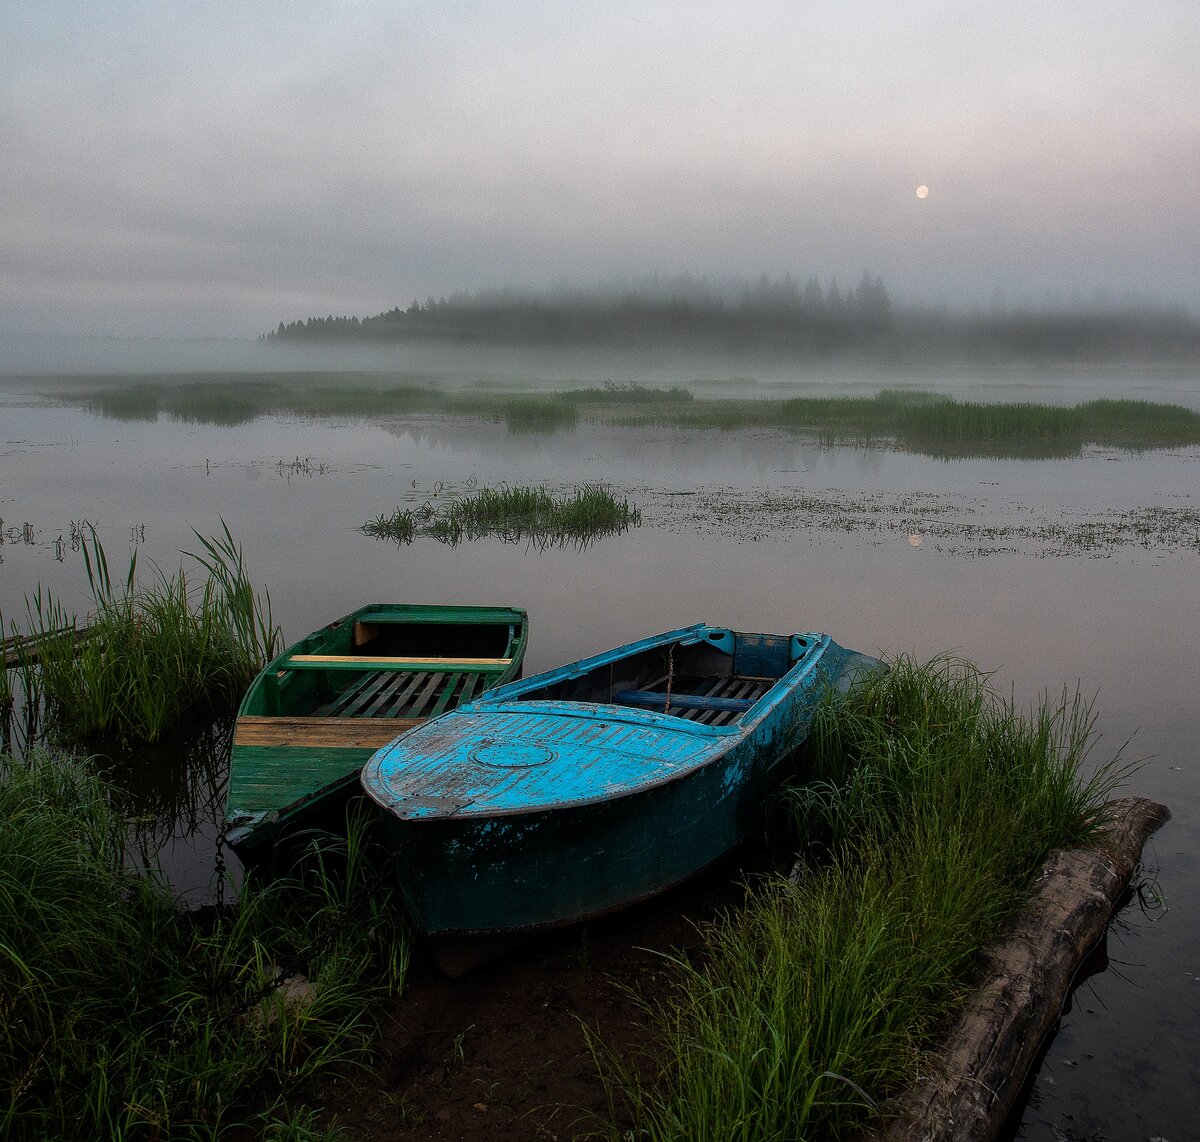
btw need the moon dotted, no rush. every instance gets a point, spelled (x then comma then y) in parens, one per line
(922, 191)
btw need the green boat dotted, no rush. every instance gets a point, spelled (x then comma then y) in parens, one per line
(319, 710)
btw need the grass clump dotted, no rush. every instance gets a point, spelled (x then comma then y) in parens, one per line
(150, 659)
(933, 804)
(532, 514)
(123, 1018)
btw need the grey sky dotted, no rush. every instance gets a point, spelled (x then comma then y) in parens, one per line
(213, 168)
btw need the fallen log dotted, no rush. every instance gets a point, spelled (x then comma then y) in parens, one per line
(974, 1078)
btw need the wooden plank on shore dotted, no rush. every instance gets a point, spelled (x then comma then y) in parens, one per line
(348, 733)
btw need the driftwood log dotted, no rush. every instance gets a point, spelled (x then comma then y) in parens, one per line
(976, 1075)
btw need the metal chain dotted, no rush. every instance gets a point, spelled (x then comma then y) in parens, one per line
(220, 869)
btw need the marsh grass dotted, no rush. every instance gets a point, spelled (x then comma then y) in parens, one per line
(513, 514)
(924, 421)
(920, 421)
(123, 1018)
(150, 659)
(932, 804)
(540, 414)
(929, 422)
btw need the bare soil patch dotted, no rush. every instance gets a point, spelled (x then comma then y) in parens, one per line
(502, 1053)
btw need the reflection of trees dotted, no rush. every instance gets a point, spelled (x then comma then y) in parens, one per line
(172, 791)
(167, 793)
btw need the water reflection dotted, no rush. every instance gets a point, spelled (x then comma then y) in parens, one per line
(171, 789)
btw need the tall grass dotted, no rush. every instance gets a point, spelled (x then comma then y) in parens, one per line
(150, 659)
(513, 514)
(122, 1018)
(933, 802)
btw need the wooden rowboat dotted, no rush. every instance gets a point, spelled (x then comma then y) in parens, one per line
(589, 787)
(320, 709)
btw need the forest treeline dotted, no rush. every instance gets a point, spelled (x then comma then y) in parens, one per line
(773, 314)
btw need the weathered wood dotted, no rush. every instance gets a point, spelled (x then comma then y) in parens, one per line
(383, 662)
(319, 710)
(19, 648)
(974, 1078)
(329, 732)
(659, 698)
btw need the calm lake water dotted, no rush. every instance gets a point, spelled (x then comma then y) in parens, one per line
(1051, 573)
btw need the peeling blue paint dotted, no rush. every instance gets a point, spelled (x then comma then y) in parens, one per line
(545, 800)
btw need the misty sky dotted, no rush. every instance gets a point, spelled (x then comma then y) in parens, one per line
(211, 169)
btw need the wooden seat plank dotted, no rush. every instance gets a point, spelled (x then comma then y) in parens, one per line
(723, 696)
(390, 662)
(352, 733)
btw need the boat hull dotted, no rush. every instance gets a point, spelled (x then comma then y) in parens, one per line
(539, 870)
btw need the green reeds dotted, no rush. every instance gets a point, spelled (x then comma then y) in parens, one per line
(123, 1018)
(540, 414)
(521, 514)
(933, 803)
(150, 659)
(920, 421)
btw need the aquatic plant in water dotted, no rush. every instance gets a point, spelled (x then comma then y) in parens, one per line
(932, 423)
(149, 659)
(532, 514)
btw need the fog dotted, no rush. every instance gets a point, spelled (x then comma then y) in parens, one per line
(211, 170)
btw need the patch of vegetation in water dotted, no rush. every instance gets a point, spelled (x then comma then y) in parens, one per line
(148, 660)
(932, 803)
(929, 423)
(520, 514)
(926, 519)
(125, 1018)
(940, 424)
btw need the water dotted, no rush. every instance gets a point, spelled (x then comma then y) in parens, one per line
(1041, 571)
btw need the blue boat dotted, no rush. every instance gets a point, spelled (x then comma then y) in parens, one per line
(586, 788)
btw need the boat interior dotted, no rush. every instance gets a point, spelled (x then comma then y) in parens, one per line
(712, 680)
(405, 670)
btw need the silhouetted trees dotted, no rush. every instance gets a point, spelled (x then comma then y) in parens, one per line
(772, 314)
